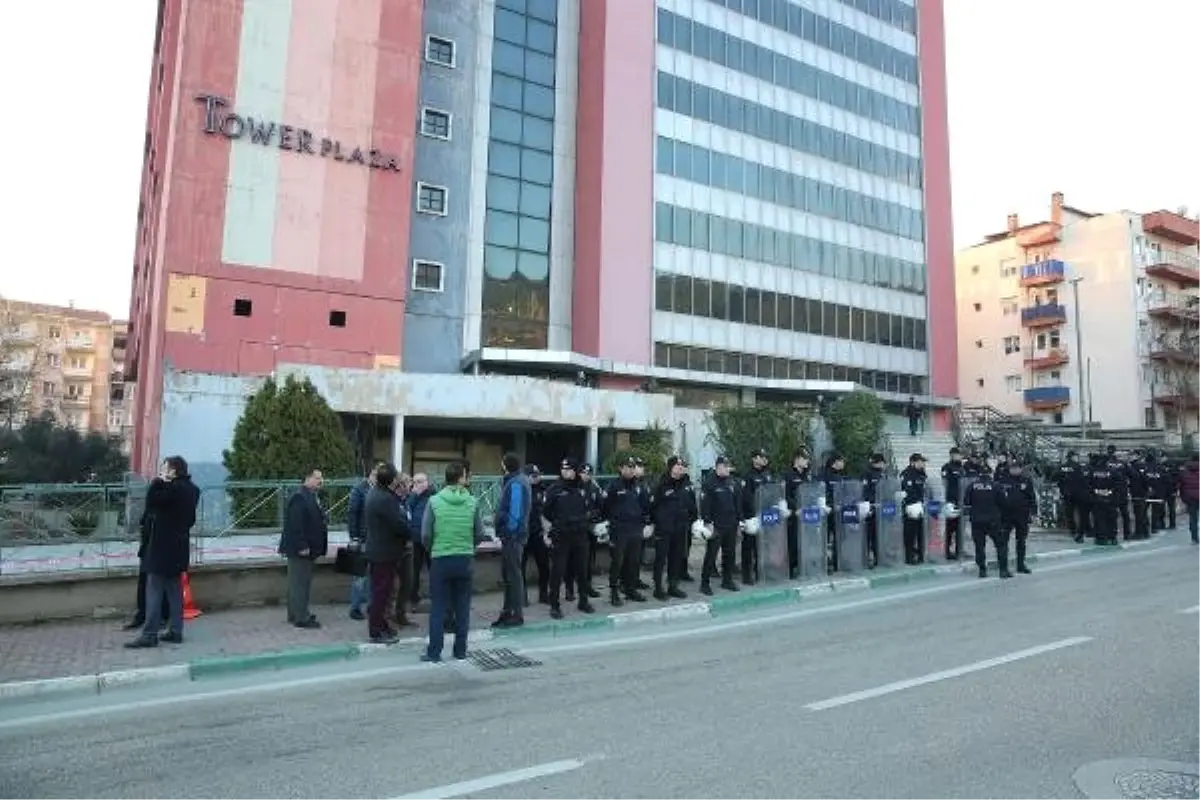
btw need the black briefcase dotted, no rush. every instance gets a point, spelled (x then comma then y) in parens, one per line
(350, 560)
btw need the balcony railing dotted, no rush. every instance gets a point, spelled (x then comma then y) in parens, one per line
(1172, 265)
(1173, 306)
(80, 343)
(1043, 398)
(1047, 358)
(76, 401)
(1170, 225)
(1176, 353)
(1039, 234)
(1043, 316)
(76, 372)
(1043, 273)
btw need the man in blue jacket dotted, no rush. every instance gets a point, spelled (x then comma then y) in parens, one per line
(356, 527)
(511, 524)
(415, 502)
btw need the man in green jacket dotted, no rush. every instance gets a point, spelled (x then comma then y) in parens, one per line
(451, 528)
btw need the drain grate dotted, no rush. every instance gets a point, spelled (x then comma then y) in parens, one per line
(501, 658)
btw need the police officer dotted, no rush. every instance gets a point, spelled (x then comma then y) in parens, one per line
(1018, 507)
(596, 503)
(876, 472)
(639, 474)
(912, 484)
(627, 511)
(799, 474)
(686, 575)
(536, 548)
(983, 502)
(1139, 496)
(1120, 474)
(954, 481)
(974, 465)
(835, 474)
(1001, 466)
(720, 511)
(760, 474)
(1171, 472)
(673, 507)
(1072, 486)
(1156, 492)
(1104, 486)
(569, 512)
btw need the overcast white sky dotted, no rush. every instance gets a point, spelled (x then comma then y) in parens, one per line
(1097, 100)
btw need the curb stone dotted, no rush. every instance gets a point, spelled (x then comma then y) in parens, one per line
(722, 605)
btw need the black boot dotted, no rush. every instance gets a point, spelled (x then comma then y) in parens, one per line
(660, 593)
(705, 589)
(730, 586)
(1024, 570)
(676, 592)
(614, 598)
(555, 611)
(585, 606)
(635, 596)
(593, 592)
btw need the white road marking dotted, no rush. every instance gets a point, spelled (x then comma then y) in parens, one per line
(499, 779)
(946, 674)
(1192, 610)
(185, 696)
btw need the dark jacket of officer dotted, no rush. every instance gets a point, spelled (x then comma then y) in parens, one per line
(673, 505)
(567, 507)
(1104, 484)
(1171, 472)
(1119, 474)
(1149, 480)
(870, 483)
(793, 479)
(912, 483)
(983, 501)
(626, 507)
(537, 504)
(750, 486)
(719, 503)
(1072, 481)
(833, 481)
(1019, 500)
(954, 479)
(595, 499)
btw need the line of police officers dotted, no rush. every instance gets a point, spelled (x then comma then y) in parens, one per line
(1095, 495)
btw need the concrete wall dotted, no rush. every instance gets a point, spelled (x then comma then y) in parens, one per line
(437, 317)
(199, 413)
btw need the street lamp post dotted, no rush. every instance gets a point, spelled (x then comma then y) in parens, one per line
(1083, 432)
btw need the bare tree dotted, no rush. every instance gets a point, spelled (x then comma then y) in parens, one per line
(20, 349)
(1178, 350)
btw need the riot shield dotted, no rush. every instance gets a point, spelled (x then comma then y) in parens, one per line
(772, 536)
(811, 530)
(889, 524)
(955, 520)
(850, 534)
(934, 519)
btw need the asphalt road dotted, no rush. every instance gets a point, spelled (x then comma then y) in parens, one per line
(958, 688)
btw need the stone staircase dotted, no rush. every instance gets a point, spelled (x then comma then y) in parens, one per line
(934, 445)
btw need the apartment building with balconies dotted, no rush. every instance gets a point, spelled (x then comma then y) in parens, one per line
(63, 360)
(1083, 317)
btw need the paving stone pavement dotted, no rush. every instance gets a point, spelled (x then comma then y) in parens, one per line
(86, 647)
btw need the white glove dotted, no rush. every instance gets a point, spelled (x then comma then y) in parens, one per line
(823, 505)
(914, 510)
(546, 538)
(600, 529)
(545, 524)
(751, 526)
(647, 531)
(864, 510)
(490, 533)
(784, 511)
(951, 511)
(700, 531)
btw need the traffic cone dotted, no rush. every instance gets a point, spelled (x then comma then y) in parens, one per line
(190, 611)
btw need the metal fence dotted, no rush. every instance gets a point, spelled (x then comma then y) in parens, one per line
(63, 513)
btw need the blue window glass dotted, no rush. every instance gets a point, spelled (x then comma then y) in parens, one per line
(503, 193)
(501, 229)
(538, 101)
(535, 200)
(506, 92)
(506, 125)
(504, 159)
(536, 166)
(508, 59)
(540, 36)
(509, 26)
(538, 134)
(534, 235)
(539, 68)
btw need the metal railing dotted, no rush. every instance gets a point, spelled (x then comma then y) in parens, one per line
(64, 513)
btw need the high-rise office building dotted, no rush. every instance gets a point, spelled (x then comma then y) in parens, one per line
(539, 223)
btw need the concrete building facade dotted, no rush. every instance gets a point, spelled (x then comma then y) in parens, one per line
(1083, 318)
(627, 207)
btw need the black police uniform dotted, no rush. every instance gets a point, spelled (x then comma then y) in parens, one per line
(1001, 467)
(954, 480)
(792, 481)
(627, 511)
(1073, 487)
(641, 584)
(1120, 474)
(1104, 486)
(1139, 496)
(1156, 493)
(674, 509)
(596, 503)
(912, 483)
(750, 486)
(720, 504)
(536, 548)
(1170, 470)
(570, 514)
(983, 504)
(833, 479)
(870, 482)
(686, 574)
(1018, 505)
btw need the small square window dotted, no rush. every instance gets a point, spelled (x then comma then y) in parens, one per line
(242, 307)
(427, 276)
(435, 124)
(337, 319)
(431, 199)
(978, 306)
(979, 382)
(439, 50)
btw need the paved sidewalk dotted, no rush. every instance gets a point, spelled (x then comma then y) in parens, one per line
(55, 650)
